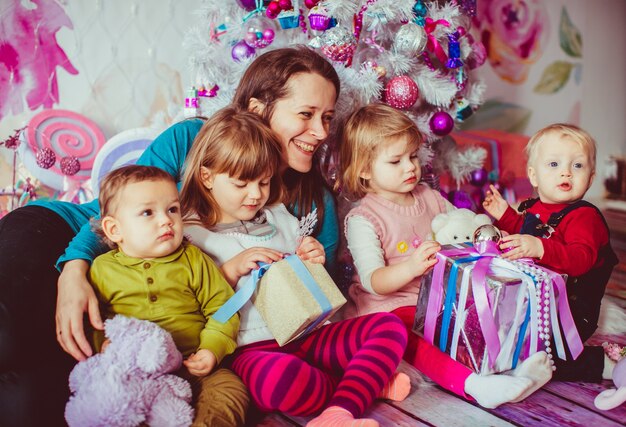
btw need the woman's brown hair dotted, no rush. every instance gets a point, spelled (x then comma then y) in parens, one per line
(266, 80)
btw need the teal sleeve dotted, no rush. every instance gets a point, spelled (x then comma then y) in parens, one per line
(328, 235)
(86, 245)
(168, 152)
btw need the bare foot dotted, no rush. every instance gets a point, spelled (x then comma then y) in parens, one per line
(336, 416)
(397, 389)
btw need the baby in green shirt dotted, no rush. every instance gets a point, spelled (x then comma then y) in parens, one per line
(153, 275)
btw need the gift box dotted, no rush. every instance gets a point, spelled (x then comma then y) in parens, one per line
(489, 313)
(295, 297)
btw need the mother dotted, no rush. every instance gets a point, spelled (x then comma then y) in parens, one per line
(294, 89)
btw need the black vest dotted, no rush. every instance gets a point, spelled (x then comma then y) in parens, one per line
(584, 292)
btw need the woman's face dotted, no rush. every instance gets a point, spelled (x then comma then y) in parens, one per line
(302, 118)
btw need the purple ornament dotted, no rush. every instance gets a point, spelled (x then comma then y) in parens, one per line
(241, 51)
(249, 5)
(70, 165)
(479, 177)
(401, 92)
(460, 199)
(319, 18)
(46, 158)
(441, 123)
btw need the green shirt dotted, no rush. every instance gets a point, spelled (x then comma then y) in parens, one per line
(179, 292)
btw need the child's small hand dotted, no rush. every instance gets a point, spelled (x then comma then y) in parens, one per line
(494, 203)
(200, 363)
(311, 249)
(423, 258)
(518, 246)
(246, 261)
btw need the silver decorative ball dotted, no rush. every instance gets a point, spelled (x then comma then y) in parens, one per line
(410, 39)
(485, 233)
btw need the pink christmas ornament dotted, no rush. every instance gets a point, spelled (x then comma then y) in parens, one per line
(310, 3)
(46, 158)
(268, 35)
(285, 4)
(441, 123)
(401, 92)
(70, 165)
(274, 7)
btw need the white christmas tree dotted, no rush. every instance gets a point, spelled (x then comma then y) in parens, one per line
(413, 55)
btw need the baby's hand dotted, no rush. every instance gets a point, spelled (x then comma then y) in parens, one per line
(311, 249)
(246, 261)
(494, 203)
(201, 363)
(518, 246)
(423, 259)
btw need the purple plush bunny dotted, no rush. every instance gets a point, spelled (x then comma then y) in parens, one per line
(128, 384)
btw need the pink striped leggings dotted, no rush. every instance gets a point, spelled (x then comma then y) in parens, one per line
(342, 364)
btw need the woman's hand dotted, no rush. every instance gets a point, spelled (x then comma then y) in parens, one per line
(200, 363)
(494, 203)
(423, 258)
(310, 249)
(246, 261)
(75, 297)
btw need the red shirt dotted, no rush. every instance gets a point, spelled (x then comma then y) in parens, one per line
(574, 246)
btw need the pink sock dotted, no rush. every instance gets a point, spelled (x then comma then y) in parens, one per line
(336, 416)
(397, 389)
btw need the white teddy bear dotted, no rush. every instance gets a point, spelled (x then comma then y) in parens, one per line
(457, 226)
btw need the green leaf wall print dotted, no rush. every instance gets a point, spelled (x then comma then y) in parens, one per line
(554, 77)
(570, 38)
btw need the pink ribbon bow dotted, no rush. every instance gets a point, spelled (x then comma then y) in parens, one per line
(433, 44)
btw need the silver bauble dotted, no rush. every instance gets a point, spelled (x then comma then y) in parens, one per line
(410, 39)
(485, 233)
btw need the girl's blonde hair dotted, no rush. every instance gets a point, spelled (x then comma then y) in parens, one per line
(366, 131)
(563, 130)
(235, 142)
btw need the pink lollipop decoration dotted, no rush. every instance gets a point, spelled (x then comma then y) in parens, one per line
(68, 135)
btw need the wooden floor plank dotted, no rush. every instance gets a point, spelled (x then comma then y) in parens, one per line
(385, 414)
(583, 394)
(547, 410)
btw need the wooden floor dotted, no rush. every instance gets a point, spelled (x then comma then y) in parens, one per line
(556, 404)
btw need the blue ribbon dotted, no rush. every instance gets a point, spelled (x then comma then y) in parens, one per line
(450, 299)
(258, 9)
(244, 293)
(520, 337)
(234, 303)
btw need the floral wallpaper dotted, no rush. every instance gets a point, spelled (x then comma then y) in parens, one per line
(534, 63)
(514, 34)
